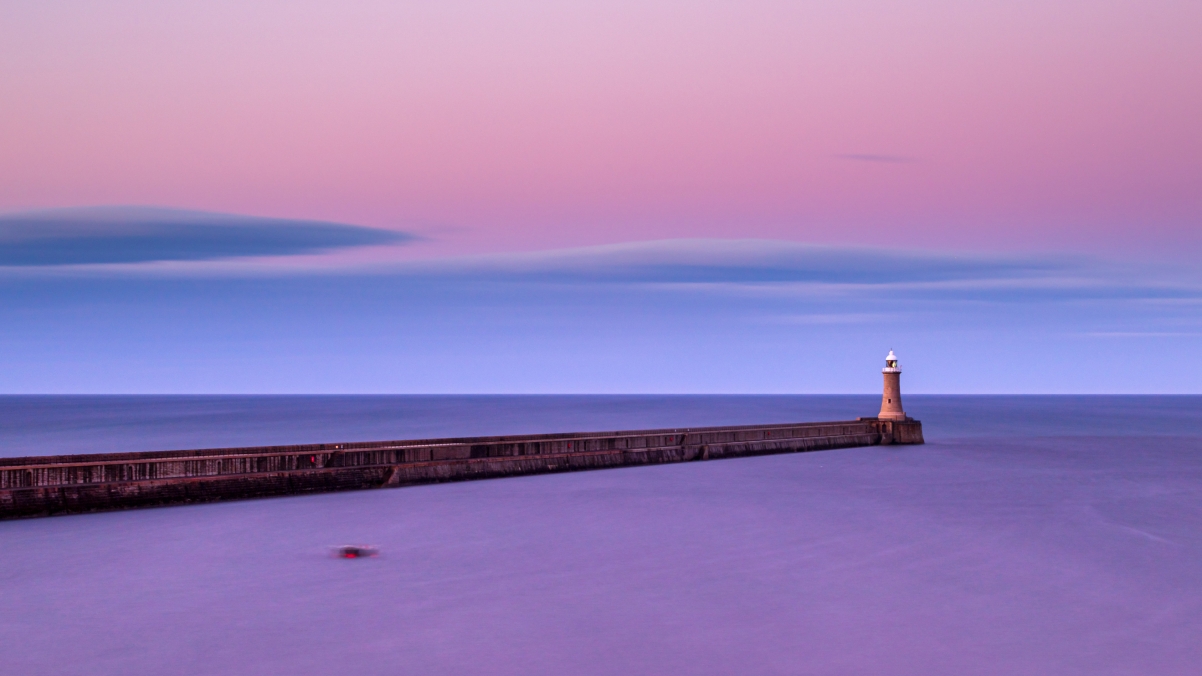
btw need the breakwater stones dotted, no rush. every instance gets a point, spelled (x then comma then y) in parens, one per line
(66, 484)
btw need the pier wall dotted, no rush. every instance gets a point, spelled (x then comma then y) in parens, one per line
(47, 485)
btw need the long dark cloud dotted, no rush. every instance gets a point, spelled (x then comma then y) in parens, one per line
(764, 268)
(99, 235)
(745, 262)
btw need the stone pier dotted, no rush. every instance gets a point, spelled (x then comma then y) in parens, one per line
(66, 484)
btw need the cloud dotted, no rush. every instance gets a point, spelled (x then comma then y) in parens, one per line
(833, 319)
(746, 262)
(812, 287)
(165, 243)
(108, 235)
(661, 316)
(1144, 334)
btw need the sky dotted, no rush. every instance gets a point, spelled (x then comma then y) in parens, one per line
(540, 196)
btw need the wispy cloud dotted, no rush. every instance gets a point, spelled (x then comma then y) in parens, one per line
(832, 319)
(1145, 334)
(139, 235)
(158, 243)
(749, 261)
(675, 315)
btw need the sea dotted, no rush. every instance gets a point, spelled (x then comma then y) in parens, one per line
(1029, 535)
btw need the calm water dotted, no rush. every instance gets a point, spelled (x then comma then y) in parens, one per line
(1046, 535)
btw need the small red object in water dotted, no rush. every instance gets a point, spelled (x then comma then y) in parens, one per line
(356, 551)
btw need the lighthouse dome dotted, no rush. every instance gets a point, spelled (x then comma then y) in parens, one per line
(891, 365)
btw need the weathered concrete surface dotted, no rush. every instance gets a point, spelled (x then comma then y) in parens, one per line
(40, 486)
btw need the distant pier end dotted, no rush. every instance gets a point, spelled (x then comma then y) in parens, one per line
(65, 484)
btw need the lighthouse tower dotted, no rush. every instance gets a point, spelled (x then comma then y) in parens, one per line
(891, 406)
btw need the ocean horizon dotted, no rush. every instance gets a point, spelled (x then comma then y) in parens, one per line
(32, 425)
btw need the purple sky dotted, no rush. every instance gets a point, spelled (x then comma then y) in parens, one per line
(543, 124)
(617, 197)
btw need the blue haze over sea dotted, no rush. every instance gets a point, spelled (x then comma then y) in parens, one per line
(1029, 535)
(136, 300)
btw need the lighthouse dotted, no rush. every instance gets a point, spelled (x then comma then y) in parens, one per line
(891, 405)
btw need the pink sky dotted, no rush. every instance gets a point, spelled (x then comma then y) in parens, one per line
(528, 125)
